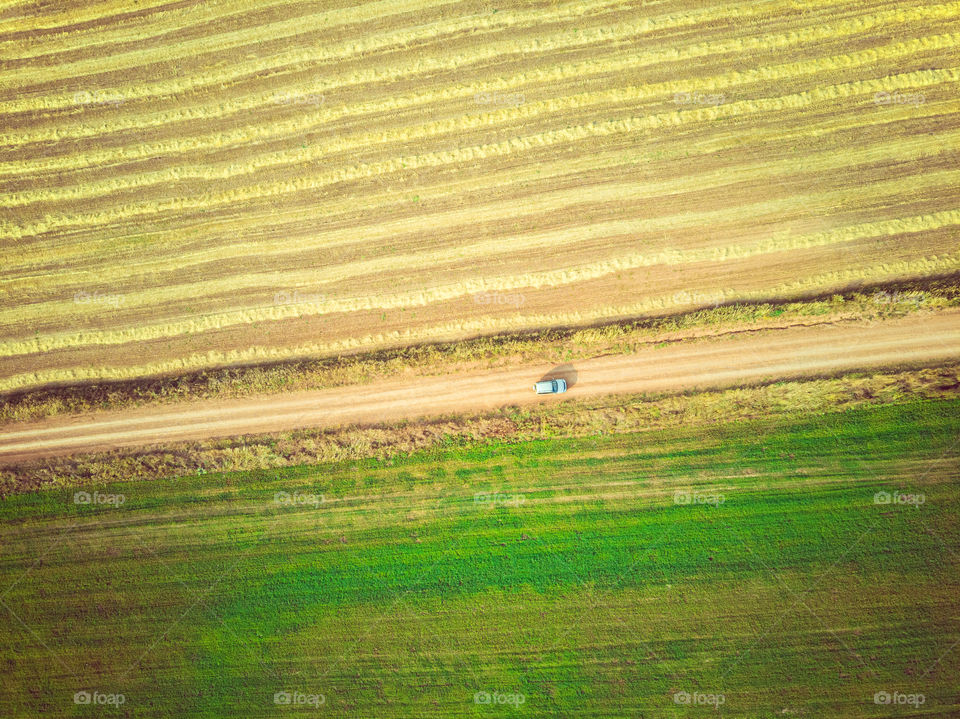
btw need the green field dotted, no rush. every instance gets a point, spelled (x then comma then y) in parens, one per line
(581, 582)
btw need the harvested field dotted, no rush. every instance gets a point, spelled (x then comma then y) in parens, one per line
(184, 186)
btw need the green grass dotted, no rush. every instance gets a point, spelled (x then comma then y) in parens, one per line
(589, 590)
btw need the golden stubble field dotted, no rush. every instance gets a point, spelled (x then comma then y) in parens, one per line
(192, 185)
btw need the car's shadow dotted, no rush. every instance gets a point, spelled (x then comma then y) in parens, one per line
(565, 372)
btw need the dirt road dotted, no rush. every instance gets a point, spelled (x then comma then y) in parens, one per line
(722, 362)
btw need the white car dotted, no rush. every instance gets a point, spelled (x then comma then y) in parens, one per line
(550, 386)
